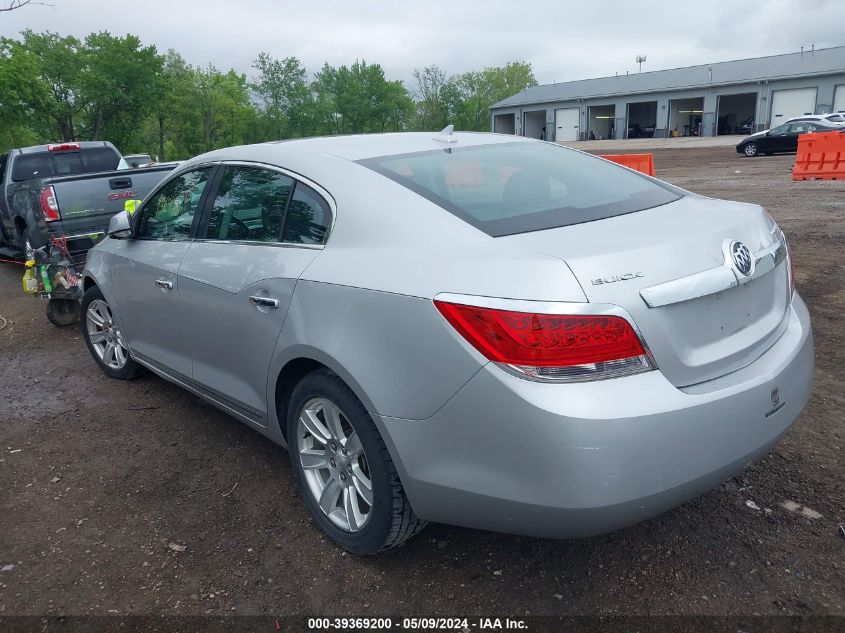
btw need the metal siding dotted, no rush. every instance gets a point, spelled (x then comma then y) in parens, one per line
(819, 62)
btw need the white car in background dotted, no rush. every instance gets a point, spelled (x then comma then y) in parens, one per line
(833, 118)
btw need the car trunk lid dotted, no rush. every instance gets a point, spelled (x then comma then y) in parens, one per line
(667, 267)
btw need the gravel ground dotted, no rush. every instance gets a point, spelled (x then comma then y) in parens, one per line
(138, 498)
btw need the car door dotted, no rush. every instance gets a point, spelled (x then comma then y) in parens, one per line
(261, 228)
(145, 269)
(775, 140)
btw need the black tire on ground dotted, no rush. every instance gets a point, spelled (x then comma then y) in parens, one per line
(62, 312)
(750, 149)
(131, 369)
(392, 520)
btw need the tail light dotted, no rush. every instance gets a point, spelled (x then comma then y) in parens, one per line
(553, 347)
(49, 205)
(791, 267)
(778, 234)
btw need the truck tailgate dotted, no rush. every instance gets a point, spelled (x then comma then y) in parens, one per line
(86, 202)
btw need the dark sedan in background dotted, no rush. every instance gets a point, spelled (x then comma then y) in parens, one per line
(783, 138)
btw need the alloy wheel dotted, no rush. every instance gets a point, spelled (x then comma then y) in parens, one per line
(104, 335)
(334, 464)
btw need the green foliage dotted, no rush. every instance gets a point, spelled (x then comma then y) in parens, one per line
(358, 99)
(115, 88)
(284, 97)
(116, 81)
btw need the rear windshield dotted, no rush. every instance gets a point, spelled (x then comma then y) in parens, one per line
(47, 164)
(511, 188)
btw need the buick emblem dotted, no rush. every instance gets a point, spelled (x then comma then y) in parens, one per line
(775, 396)
(741, 258)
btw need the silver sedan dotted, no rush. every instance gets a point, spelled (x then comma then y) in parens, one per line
(475, 329)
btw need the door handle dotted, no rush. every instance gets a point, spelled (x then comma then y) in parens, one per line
(120, 183)
(163, 283)
(265, 302)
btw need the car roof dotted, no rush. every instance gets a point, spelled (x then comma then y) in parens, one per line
(362, 146)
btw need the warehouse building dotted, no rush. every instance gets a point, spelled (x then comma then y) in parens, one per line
(735, 97)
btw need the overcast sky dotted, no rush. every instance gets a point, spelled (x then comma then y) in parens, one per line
(563, 40)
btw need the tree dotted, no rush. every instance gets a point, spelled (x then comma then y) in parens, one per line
(11, 5)
(171, 99)
(119, 77)
(20, 95)
(356, 99)
(46, 74)
(431, 110)
(282, 90)
(227, 113)
(468, 96)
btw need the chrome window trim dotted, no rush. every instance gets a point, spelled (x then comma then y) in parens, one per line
(313, 247)
(547, 307)
(714, 280)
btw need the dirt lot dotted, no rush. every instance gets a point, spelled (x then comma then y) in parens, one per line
(99, 477)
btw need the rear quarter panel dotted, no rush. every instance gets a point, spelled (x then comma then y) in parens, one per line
(396, 352)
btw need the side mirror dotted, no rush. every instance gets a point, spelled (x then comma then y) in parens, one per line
(119, 227)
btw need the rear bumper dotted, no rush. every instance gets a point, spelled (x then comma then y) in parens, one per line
(575, 460)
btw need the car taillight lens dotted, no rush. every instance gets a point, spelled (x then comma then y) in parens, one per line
(778, 234)
(63, 147)
(791, 267)
(551, 346)
(49, 205)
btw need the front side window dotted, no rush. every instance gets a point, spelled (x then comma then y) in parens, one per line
(510, 188)
(169, 214)
(781, 129)
(308, 217)
(249, 205)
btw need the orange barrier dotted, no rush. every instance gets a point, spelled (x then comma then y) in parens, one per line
(640, 162)
(820, 156)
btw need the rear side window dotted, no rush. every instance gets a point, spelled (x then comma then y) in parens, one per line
(30, 166)
(511, 188)
(249, 205)
(308, 217)
(48, 164)
(99, 159)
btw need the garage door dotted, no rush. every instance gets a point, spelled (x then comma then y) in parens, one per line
(839, 99)
(566, 124)
(789, 103)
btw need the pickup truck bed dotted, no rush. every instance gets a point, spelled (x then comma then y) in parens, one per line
(38, 203)
(86, 202)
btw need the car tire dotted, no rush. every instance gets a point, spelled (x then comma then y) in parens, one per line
(62, 312)
(389, 521)
(101, 334)
(750, 150)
